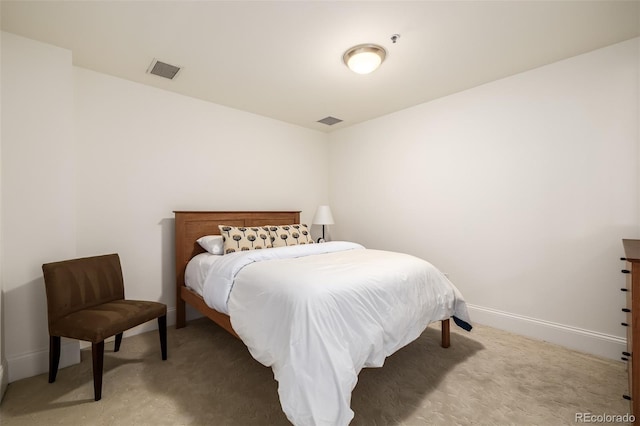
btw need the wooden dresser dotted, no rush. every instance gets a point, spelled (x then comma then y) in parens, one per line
(632, 322)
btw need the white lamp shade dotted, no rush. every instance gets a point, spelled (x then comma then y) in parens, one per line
(364, 63)
(364, 58)
(323, 216)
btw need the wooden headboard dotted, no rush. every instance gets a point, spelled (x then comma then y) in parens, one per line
(191, 225)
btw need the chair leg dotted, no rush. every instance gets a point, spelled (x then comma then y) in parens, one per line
(54, 357)
(118, 341)
(97, 352)
(162, 330)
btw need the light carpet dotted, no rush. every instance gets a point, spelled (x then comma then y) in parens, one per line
(486, 377)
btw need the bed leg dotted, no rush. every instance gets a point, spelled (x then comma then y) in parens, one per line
(180, 312)
(446, 336)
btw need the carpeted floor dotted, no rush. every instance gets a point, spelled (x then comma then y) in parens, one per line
(486, 377)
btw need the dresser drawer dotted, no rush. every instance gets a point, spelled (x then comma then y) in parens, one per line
(632, 321)
(629, 306)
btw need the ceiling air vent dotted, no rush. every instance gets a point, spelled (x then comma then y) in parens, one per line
(329, 121)
(163, 69)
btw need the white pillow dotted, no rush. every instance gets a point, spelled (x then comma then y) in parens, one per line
(214, 244)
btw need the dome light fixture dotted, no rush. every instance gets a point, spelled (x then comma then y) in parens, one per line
(364, 58)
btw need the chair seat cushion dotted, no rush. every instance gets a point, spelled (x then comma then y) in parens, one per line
(102, 321)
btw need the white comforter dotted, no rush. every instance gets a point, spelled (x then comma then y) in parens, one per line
(317, 314)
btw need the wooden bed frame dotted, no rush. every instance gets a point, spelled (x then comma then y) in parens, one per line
(191, 225)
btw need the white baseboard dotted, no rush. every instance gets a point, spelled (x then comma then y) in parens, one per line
(600, 344)
(4, 381)
(37, 362)
(591, 342)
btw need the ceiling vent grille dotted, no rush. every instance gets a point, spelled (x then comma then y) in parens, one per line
(163, 69)
(330, 121)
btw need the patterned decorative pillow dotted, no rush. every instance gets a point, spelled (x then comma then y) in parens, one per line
(290, 235)
(243, 238)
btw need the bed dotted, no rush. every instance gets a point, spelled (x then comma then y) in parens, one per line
(312, 343)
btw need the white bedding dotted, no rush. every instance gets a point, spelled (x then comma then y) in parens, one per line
(317, 314)
(197, 270)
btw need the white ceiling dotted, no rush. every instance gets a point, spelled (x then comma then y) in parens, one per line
(283, 59)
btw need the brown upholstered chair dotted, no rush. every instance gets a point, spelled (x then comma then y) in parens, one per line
(85, 301)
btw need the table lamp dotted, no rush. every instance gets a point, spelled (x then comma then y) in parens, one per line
(323, 217)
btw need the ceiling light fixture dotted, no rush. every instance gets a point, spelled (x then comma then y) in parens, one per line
(364, 58)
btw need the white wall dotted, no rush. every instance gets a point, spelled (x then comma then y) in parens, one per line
(143, 153)
(38, 194)
(93, 164)
(520, 189)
